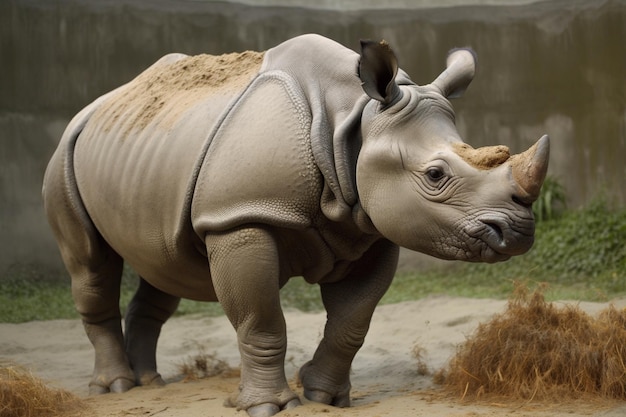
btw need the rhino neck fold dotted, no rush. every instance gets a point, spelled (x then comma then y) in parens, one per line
(326, 73)
(338, 162)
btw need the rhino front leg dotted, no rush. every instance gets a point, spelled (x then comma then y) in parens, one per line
(147, 312)
(245, 272)
(349, 304)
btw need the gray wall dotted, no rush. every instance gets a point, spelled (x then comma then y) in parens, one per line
(554, 66)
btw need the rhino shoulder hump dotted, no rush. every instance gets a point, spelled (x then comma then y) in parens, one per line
(260, 167)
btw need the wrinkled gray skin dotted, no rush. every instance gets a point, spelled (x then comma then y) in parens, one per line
(320, 167)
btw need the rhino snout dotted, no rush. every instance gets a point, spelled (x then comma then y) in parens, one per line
(505, 237)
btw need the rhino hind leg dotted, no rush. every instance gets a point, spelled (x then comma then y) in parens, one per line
(95, 270)
(146, 313)
(96, 294)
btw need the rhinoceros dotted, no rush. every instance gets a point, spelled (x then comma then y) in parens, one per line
(218, 178)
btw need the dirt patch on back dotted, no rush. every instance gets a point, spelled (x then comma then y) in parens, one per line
(486, 157)
(177, 82)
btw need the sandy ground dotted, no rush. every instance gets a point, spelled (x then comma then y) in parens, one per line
(385, 374)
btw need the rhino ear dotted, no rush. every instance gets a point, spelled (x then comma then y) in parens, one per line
(459, 72)
(377, 70)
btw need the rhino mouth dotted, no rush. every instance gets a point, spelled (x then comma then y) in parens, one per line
(497, 239)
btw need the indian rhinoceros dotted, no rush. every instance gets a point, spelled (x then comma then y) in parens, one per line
(218, 178)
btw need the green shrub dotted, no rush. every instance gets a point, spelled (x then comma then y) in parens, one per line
(551, 201)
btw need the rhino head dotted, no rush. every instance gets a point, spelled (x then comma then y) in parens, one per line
(426, 190)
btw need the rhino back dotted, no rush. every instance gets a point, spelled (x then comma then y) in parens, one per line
(137, 159)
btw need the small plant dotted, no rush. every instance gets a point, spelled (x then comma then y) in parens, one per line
(204, 365)
(422, 367)
(551, 201)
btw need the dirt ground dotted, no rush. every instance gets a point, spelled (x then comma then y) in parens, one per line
(386, 377)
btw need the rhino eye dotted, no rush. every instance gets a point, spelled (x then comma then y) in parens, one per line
(434, 174)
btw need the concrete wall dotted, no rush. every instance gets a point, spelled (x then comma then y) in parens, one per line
(552, 66)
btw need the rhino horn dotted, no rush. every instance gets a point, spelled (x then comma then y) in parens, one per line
(529, 169)
(459, 72)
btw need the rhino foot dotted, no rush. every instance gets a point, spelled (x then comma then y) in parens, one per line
(317, 387)
(269, 409)
(266, 409)
(118, 385)
(263, 410)
(340, 401)
(152, 379)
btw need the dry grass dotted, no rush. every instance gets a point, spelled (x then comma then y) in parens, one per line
(418, 355)
(538, 351)
(24, 395)
(205, 365)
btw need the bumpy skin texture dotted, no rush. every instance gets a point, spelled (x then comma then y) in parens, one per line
(319, 165)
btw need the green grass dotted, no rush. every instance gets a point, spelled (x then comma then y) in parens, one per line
(580, 254)
(27, 296)
(25, 299)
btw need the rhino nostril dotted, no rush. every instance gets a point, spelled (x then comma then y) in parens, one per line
(507, 236)
(495, 229)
